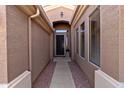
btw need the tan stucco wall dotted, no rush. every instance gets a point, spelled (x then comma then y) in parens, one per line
(17, 42)
(14, 58)
(54, 15)
(84, 63)
(110, 40)
(3, 45)
(121, 43)
(112, 58)
(51, 46)
(40, 49)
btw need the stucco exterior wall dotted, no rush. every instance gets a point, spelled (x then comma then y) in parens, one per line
(14, 44)
(51, 46)
(17, 42)
(121, 43)
(3, 45)
(84, 63)
(110, 40)
(40, 49)
(55, 14)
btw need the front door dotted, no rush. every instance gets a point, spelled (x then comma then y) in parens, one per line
(60, 45)
(60, 37)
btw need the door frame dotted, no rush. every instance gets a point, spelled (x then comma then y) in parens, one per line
(64, 34)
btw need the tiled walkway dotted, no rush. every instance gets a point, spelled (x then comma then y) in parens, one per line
(62, 73)
(62, 77)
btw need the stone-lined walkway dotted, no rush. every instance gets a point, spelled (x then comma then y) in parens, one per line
(62, 73)
(44, 79)
(79, 76)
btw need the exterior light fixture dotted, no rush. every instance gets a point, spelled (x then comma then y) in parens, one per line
(61, 14)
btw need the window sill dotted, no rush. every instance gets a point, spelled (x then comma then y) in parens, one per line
(82, 57)
(98, 67)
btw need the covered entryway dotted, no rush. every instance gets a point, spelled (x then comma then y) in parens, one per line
(62, 71)
(62, 41)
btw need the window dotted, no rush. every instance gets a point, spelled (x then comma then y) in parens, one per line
(94, 37)
(82, 39)
(61, 31)
(77, 40)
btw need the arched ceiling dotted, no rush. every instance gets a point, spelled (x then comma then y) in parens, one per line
(59, 12)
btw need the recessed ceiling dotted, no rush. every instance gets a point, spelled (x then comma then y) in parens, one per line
(50, 7)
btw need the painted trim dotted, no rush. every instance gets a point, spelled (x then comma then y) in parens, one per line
(102, 80)
(3, 85)
(30, 36)
(41, 20)
(22, 81)
(80, 9)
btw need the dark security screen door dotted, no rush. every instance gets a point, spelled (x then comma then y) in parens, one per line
(60, 45)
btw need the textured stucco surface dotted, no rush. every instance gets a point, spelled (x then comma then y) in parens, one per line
(16, 56)
(111, 45)
(84, 63)
(17, 42)
(121, 44)
(55, 14)
(40, 50)
(110, 40)
(3, 45)
(51, 46)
